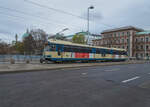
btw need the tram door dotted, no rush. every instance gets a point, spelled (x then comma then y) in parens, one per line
(93, 52)
(59, 49)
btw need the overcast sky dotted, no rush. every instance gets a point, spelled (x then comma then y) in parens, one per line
(18, 15)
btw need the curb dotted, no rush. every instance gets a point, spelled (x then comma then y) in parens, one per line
(66, 67)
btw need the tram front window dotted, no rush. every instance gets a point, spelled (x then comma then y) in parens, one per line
(52, 47)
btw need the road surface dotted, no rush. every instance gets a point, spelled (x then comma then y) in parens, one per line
(107, 86)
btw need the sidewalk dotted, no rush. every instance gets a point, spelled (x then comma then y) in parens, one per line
(14, 68)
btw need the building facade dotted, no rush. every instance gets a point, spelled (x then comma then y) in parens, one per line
(129, 38)
(141, 46)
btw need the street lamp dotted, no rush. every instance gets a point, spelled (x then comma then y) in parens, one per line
(88, 15)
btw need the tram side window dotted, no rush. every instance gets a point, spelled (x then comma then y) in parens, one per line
(120, 52)
(71, 48)
(81, 49)
(98, 51)
(75, 49)
(123, 53)
(78, 49)
(86, 50)
(107, 51)
(115, 52)
(103, 51)
(68, 48)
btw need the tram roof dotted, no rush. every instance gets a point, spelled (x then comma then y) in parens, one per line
(75, 44)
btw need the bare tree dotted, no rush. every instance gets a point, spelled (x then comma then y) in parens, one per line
(3, 47)
(29, 44)
(40, 37)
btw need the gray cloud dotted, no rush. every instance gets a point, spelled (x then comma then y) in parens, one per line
(106, 14)
(2, 31)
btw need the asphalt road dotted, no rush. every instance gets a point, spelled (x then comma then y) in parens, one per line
(107, 86)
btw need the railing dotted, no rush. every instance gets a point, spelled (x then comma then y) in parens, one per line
(20, 58)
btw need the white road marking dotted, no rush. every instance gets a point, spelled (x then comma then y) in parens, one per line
(125, 81)
(84, 73)
(112, 69)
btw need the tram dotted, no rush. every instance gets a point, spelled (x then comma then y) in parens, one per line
(62, 51)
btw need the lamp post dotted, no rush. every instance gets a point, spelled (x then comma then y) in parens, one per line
(88, 15)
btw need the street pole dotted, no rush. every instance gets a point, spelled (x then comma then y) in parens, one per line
(129, 46)
(88, 24)
(145, 47)
(88, 17)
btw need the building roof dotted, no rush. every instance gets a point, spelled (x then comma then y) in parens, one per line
(25, 35)
(83, 33)
(69, 36)
(122, 28)
(75, 44)
(146, 32)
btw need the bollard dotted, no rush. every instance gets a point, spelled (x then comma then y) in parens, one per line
(12, 61)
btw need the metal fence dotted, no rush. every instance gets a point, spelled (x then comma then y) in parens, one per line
(20, 58)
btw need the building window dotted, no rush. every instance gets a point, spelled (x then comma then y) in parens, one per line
(141, 55)
(118, 33)
(136, 54)
(110, 42)
(122, 33)
(137, 47)
(147, 47)
(127, 47)
(103, 42)
(114, 34)
(147, 54)
(147, 39)
(141, 46)
(127, 40)
(97, 43)
(122, 40)
(123, 47)
(128, 33)
(141, 39)
(110, 35)
(136, 39)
